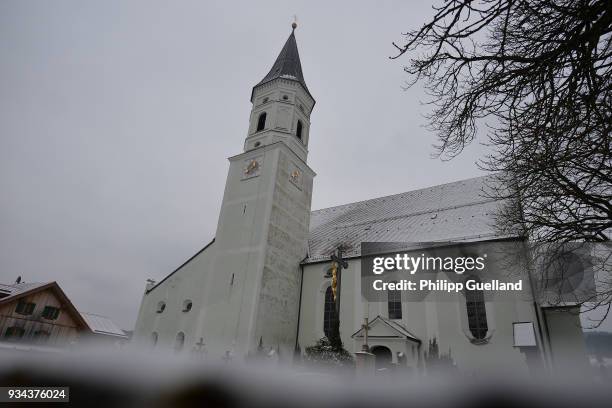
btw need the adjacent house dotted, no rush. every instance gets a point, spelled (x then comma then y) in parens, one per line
(40, 314)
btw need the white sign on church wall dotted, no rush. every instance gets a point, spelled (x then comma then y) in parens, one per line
(524, 334)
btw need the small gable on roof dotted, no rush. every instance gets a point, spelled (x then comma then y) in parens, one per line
(381, 328)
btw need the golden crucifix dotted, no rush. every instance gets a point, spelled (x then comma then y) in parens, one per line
(337, 265)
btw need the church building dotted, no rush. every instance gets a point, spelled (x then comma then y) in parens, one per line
(264, 280)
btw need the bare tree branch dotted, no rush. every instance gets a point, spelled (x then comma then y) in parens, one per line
(536, 76)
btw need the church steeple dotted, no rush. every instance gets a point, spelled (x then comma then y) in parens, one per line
(287, 64)
(262, 234)
(282, 104)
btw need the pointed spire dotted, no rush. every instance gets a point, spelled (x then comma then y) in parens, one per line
(287, 64)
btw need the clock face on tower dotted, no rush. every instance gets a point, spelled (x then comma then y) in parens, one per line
(252, 168)
(295, 175)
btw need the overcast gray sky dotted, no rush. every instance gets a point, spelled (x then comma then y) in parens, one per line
(117, 118)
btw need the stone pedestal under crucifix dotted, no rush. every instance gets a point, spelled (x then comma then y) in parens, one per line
(364, 360)
(365, 328)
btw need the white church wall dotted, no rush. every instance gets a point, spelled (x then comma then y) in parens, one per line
(240, 242)
(287, 246)
(497, 354)
(446, 321)
(185, 284)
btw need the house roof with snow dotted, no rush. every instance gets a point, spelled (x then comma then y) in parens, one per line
(96, 323)
(102, 325)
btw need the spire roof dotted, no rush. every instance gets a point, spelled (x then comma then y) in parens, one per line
(287, 64)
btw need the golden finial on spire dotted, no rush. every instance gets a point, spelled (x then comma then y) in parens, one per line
(294, 24)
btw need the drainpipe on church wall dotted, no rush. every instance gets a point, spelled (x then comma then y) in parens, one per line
(297, 329)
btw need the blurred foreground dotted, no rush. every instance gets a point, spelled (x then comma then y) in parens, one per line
(124, 377)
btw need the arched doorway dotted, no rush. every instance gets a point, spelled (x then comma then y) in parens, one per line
(179, 342)
(383, 357)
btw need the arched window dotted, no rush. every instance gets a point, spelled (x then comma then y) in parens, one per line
(329, 313)
(394, 304)
(298, 132)
(154, 339)
(476, 312)
(179, 342)
(261, 122)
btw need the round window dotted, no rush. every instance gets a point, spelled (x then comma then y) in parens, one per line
(187, 305)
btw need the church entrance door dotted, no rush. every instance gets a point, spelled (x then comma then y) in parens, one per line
(383, 357)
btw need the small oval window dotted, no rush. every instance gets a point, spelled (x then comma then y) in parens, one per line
(187, 305)
(257, 144)
(161, 306)
(285, 97)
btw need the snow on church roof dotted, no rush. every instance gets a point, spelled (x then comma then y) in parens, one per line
(458, 211)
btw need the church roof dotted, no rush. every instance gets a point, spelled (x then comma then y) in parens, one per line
(287, 64)
(459, 211)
